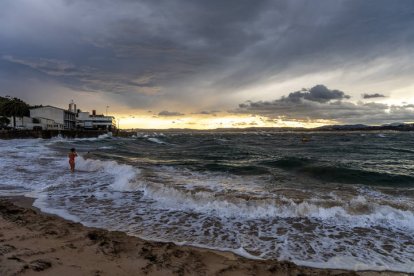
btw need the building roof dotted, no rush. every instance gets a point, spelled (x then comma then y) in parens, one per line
(101, 116)
(50, 106)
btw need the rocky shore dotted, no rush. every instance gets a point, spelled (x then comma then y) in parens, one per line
(47, 134)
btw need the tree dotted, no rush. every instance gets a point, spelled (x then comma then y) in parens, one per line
(13, 107)
(3, 100)
(4, 122)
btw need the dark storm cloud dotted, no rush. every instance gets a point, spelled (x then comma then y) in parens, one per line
(144, 53)
(206, 112)
(170, 113)
(294, 107)
(86, 78)
(371, 96)
(48, 66)
(318, 93)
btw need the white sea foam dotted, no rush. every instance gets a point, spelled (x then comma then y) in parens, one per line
(356, 264)
(225, 206)
(106, 147)
(122, 174)
(60, 139)
(226, 196)
(41, 202)
(106, 135)
(156, 140)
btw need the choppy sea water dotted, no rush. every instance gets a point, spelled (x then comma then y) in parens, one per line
(341, 200)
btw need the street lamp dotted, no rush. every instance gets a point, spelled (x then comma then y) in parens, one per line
(107, 110)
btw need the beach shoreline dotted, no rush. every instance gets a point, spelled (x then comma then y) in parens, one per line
(35, 243)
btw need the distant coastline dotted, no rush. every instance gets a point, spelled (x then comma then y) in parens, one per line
(328, 128)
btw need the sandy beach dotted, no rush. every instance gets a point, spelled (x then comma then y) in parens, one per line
(34, 243)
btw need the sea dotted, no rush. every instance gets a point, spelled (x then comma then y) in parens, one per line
(329, 200)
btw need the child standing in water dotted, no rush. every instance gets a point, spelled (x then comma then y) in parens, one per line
(72, 155)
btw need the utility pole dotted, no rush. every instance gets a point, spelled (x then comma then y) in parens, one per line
(107, 110)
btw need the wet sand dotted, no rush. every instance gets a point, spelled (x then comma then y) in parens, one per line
(34, 243)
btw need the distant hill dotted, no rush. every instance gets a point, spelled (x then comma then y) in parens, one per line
(342, 127)
(392, 126)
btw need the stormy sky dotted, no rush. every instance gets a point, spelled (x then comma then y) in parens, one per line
(346, 61)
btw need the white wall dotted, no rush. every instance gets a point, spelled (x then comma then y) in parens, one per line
(83, 116)
(27, 123)
(51, 113)
(21, 122)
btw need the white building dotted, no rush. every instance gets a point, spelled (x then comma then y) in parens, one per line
(87, 121)
(48, 124)
(21, 122)
(59, 116)
(35, 123)
(55, 118)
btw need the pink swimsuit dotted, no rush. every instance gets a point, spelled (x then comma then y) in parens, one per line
(72, 158)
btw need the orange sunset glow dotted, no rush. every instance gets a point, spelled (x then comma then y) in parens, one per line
(210, 122)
